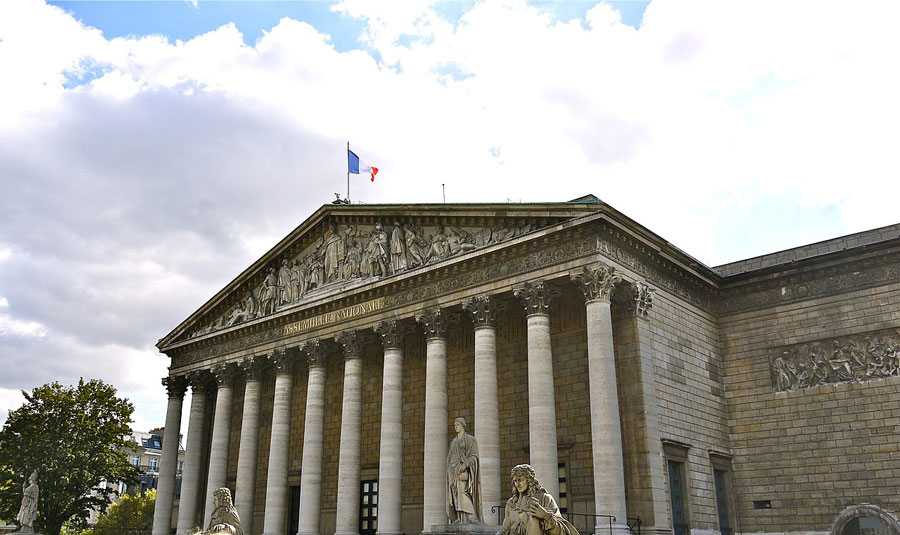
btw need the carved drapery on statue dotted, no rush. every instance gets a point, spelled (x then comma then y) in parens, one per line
(463, 477)
(350, 252)
(224, 518)
(532, 510)
(846, 359)
(28, 508)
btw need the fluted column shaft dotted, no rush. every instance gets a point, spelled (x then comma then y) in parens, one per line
(347, 517)
(218, 452)
(193, 456)
(435, 487)
(487, 418)
(275, 517)
(541, 404)
(390, 454)
(313, 442)
(598, 282)
(168, 464)
(483, 310)
(245, 485)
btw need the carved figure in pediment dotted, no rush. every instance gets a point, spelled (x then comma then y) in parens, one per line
(439, 248)
(377, 252)
(840, 361)
(333, 255)
(268, 293)
(284, 283)
(459, 240)
(353, 256)
(416, 246)
(314, 272)
(398, 248)
(298, 280)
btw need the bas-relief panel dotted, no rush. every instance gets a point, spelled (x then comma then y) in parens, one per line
(848, 359)
(348, 253)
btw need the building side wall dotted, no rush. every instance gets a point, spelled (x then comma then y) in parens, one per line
(814, 451)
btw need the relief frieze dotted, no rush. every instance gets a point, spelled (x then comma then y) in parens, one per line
(353, 253)
(847, 359)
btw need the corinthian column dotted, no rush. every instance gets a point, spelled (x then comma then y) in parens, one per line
(218, 451)
(390, 453)
(275, 517)
(483, 310)
(193, 456)
(435, 321)
(165, 490)
(347, 518)
(541, 398)
(597, 283)
(245, 486)
(313, 441)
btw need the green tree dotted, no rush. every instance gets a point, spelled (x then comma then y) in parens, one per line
(75, 437)
(133, 515)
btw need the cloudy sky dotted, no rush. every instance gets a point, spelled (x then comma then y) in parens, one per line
(149, 152)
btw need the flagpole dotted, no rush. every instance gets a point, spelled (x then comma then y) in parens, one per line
(348, 172)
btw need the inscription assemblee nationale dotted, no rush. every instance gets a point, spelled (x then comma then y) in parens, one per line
(345, 313)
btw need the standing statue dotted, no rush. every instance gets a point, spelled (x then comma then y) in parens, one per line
(268, 293)
(353, 258)
(284, 283)
(398, 248)
(531, 510)
(28, 509)
(463, 481)
(298, 280)
(334, 253)
(224, 518)
(415, 246)
(377, 252)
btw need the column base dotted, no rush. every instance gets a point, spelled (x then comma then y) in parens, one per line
(389, 533)
(614, 529)
(346, 533)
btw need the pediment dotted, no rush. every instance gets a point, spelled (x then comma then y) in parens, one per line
(343, 247)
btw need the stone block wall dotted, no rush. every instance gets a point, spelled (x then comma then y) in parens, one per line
(810, 451)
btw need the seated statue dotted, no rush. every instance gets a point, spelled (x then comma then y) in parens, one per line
(531, 510)
(224, 518)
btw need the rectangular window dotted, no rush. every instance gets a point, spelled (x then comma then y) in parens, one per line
(563, 501)
(368, 507)
(136, 460)
(722, 501)
(154, 464)
(677, 489)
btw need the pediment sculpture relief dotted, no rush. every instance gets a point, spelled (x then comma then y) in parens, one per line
(348, 253)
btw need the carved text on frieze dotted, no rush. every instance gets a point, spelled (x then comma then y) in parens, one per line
(846, 359)
(334, 316)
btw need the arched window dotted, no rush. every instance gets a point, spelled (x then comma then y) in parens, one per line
(865, 519)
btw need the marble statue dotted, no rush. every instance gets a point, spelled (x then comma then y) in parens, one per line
(353, 257)
(531, 510)
(333, 254)
(463, 481)
(439, 248)
(415, 246)
(224, 518)
(268, 293)
(28, 509)
(284, 283)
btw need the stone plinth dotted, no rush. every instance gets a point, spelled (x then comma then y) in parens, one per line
(471, 528)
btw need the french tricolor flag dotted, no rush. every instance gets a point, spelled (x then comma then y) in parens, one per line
(356, 166)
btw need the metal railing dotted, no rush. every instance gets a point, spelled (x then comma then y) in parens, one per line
(585, 523)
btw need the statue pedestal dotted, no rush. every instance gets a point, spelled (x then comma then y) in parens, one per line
(472, 528)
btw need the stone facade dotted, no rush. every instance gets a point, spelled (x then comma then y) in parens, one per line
(758, 397)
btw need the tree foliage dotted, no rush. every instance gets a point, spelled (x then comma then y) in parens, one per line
(132, 515)
(75, 438)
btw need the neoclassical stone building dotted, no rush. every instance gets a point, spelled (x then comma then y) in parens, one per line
(761, 396)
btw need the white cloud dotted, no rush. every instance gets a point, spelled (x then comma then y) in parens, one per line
(170, 166)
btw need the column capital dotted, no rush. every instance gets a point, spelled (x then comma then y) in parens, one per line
(596, 281)
(283, 360)
(316, 351)
(641, 301)
(252, 367)
(436, 321)
(392, 333)
(224, 374)
(199, 381)
(176, 385)
(536, 296)
(483, 309)
(352, 342)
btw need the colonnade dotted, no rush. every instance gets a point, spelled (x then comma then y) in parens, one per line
(597, 283)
